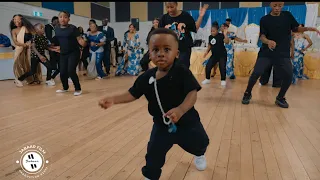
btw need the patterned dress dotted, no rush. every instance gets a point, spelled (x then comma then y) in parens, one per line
(297, 62)
(96, 54)
(230, 56)
(131, 64)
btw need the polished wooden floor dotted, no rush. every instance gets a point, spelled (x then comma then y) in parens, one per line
(247, 142)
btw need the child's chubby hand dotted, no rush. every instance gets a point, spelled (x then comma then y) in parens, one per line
(174, 114)
(106, 102)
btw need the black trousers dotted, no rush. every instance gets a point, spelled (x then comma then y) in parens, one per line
(264, 79)
(68, 68)
(84, 56)
(281, 65)
(184, 57)
(55, 64)
(192, 139)
(213, 60)
(106, 58)
(144, 62)
(34, 65)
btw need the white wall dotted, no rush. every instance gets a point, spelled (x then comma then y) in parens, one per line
(9, 9)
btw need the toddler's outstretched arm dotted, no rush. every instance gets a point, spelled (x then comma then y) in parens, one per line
(107, 102)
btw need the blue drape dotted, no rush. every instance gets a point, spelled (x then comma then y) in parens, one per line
(299, 12)
(237, 15)
(255, 14)
(195, 15)
(219, 15)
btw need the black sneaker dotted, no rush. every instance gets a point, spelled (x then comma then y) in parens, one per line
(246, 98)
(281, 102)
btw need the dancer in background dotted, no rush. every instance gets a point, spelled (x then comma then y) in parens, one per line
(96, 41)
(109, 33)
(215, 23)
(185, 25)
(84, 52)
(219, 53)
(301, 44)
(69, 39)
(113, 52)
(130, 63)
(275, 34)
(120, 52)
(230, 50)
(146, 59)
(22, 31)
(54, 56)
(177, 88)
(39, 45)
(155, 25)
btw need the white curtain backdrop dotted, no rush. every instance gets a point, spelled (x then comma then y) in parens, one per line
(204, 33)
(240, 31)
(311, 21)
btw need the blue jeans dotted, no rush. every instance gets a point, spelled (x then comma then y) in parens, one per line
(99, 59)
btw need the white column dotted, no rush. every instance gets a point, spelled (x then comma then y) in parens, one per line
(112, 12)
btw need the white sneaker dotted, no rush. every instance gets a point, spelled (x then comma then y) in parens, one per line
(77, 93)
(50, 83)
(200, 162)
(18, 83)
(98, 78)
(260, 84)
(223, 83)
(206, 81)
(61, 91)
(147, 179)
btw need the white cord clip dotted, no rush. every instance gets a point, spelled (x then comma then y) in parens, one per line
(172, 127)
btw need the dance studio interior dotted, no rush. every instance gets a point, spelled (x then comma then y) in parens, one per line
(160, 90)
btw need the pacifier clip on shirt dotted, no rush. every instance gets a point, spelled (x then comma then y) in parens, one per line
(172, 128)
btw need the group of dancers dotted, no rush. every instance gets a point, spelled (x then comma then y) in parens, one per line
(170, 51)
(170, 87)
(31, 39)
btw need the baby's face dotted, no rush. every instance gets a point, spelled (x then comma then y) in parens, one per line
(40, 29)
(163, 49)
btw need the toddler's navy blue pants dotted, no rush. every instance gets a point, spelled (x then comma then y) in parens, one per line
(192, 139)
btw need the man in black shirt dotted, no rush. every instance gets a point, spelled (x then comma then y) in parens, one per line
(109, 33)
(275, 34)
(185, 25)
(54, 56)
